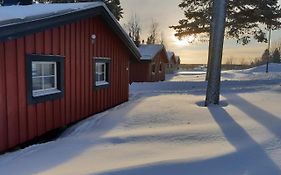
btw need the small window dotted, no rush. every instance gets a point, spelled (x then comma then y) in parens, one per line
(101, 78)
(101, 67)
(160, 67)
(153, 68)
(44, 77)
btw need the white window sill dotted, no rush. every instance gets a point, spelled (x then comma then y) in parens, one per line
(46, 92)
(101, 83)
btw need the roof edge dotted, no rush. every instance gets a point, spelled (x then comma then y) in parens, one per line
(27, 26)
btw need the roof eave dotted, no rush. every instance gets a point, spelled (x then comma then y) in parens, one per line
(20, 28)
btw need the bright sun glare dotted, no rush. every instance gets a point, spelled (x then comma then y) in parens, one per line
(184, 41)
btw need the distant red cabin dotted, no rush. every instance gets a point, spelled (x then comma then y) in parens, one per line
(152, 65)
(60, 66)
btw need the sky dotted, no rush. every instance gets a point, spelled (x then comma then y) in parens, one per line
(167, 13)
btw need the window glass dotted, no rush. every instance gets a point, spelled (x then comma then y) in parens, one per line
(102, 67)
(101, 71)
(43, 78)
(49, 69)
(37, 84)
(49, 82)
(153, 68)
(36, 70)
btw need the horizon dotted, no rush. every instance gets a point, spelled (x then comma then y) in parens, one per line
(193, 53)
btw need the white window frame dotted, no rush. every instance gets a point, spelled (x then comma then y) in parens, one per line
(45, 91)
(105, 81)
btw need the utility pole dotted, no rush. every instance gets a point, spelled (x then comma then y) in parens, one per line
(269, 43)
(217, 40)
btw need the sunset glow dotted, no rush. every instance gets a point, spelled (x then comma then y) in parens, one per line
(186, 41)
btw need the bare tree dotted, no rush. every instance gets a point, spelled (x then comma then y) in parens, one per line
(153, 37)
(243, 62)
(229, 61)
(163, 39)
(134, 29)
(256, 62)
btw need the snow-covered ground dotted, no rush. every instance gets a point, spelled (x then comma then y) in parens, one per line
(164, 130)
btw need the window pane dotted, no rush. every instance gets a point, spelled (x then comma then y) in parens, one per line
(101, 77)
(36, 69)
(103, 67)
(97, 77)
(37, 84)
(49, 82)
(98, 67)
(49, 69)
(153, 68)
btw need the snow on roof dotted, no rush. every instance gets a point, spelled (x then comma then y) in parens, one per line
(149, 51)
(17, 14)
(170, 55)
(8, 14)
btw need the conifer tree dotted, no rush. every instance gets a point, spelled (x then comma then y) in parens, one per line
(276, 56)
(113, 5)
(115, 8)
(244, 19)
(265, 56)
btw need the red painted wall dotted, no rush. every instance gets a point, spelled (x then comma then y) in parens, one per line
(139, 72)
(142, 71)
(19, 121)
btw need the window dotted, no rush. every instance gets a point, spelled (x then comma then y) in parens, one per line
(101, 78)
(44, 77)
(153, 68)
(160, 67)
(101, 67)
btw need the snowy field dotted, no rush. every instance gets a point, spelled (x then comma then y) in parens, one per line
(164, 130)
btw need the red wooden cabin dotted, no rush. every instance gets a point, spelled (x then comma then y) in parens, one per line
(152, 65)
(59, 63)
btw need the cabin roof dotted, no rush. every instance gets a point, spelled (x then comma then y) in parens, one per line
(19, 20)
(149, 51)
(19, 13)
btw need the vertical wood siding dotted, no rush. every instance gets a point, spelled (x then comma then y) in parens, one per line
(19, 121)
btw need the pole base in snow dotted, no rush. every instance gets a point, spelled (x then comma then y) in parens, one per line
(207, 103)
